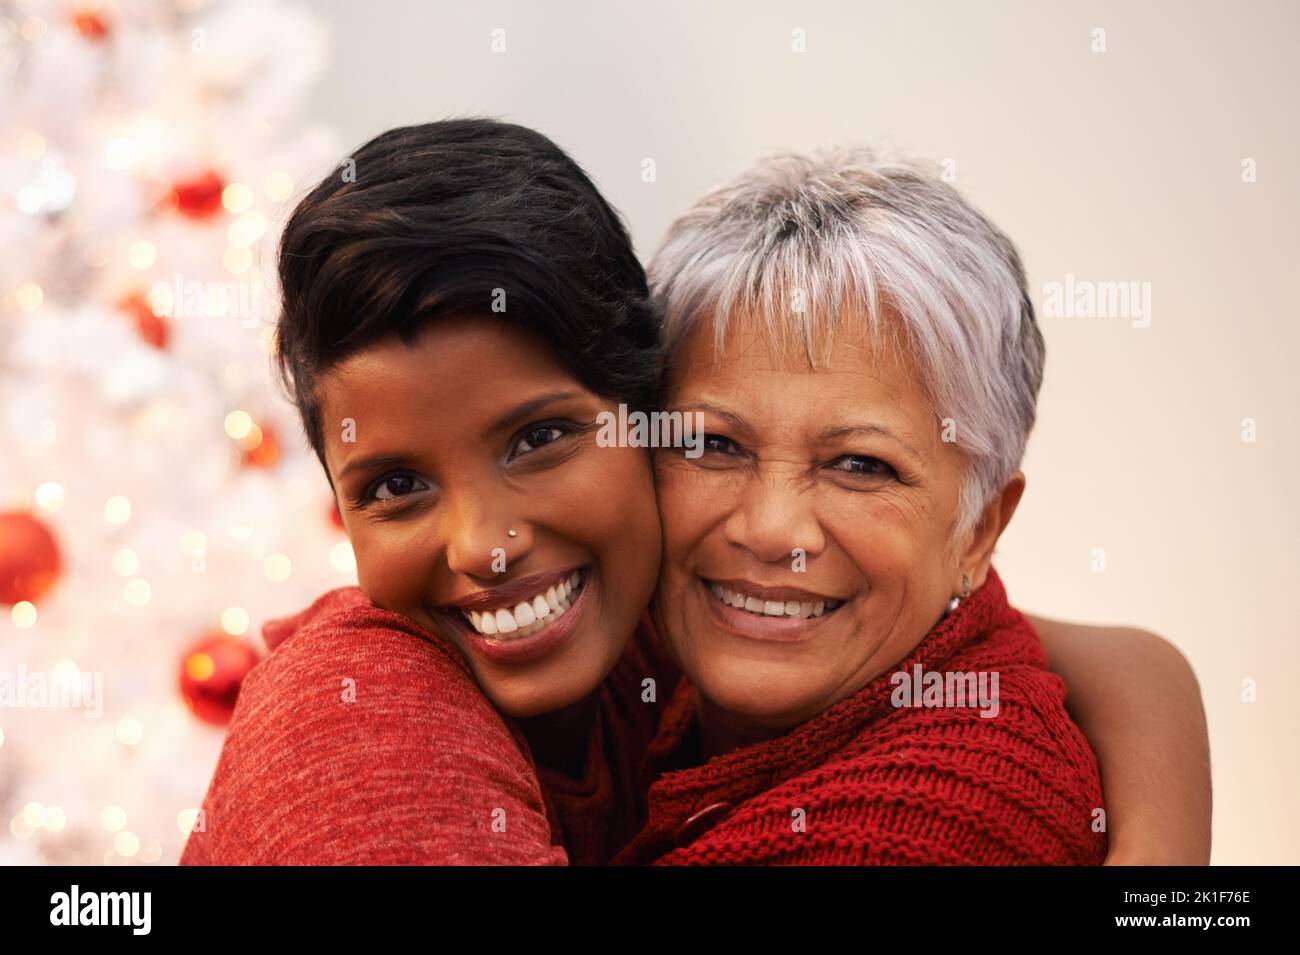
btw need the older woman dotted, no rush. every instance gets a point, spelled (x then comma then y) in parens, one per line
(498, 693)
(861, 344)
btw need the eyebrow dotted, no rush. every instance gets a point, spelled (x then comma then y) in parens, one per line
(849, 431)
(733, 419)
(377, 462)
(531, 406)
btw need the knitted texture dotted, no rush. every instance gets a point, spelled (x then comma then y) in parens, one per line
(881, 784)
(364, 739)
(419, 765)
(598, 814)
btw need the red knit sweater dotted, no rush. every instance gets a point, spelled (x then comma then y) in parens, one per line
(364, 739)
(868, 782)
(422, 770)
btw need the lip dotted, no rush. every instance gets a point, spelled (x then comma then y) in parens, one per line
(782, 594)
(524, 649)
(742, 623)
(507, 595)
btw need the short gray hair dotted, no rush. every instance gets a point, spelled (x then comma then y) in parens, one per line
(802, 243)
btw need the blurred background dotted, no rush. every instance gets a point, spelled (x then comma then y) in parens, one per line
(157, 503)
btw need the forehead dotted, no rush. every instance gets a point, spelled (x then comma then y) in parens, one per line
(454, 358)
(453, 377)
(858, 370)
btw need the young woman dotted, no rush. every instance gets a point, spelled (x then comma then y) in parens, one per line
(455, 322)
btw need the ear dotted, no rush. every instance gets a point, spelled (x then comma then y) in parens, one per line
(997, 515)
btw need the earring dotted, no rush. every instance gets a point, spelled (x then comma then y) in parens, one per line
(965, 592)
(512, 533)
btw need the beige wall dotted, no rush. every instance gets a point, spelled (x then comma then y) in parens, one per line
(1123, 165)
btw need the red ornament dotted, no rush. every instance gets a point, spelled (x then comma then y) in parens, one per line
(335, 517)
(29, 558)
(259, 448)
(151, 327)
(212, 673)
(90, 25)
(199, 197)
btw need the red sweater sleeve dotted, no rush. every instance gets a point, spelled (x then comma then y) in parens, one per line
(364, 740)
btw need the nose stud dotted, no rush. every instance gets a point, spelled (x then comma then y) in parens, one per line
(512, 533)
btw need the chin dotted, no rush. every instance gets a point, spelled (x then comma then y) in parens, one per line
(525, 705)
(520, 699)
(765, 695)
(567, 680)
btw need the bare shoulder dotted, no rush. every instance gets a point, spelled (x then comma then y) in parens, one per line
(1141, 642)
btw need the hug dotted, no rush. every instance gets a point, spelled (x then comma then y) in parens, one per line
(571, 652)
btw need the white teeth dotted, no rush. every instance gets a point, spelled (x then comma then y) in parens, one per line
(528, 616)
(804, 609)
(524, 615)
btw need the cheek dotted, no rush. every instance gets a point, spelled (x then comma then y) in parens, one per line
(606, 495)
(901, 555)
(604, 501)
(393, 563)
(882, 547)
(690, 505)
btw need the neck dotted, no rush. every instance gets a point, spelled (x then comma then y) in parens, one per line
(722, 731)
(558, 739)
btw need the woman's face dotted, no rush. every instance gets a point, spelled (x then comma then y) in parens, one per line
(808, 548)
(437, 450)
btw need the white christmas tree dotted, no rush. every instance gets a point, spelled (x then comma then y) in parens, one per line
(149, 152)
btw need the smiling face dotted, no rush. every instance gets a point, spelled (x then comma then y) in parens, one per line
(847, 465)
(475, 430)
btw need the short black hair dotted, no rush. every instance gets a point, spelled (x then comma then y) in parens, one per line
(438, 220)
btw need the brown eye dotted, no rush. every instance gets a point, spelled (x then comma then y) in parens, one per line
(717, 444)
(865, 465)
(537, 437)
(397, 485)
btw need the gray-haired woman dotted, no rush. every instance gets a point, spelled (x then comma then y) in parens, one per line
(861, 345)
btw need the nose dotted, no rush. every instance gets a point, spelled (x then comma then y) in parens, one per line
(479, 541)
(772, 518)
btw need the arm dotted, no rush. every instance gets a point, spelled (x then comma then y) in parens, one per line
(1137, 701)
(358, 743)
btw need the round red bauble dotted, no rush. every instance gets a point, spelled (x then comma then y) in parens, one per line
(212, 672)
(199, 197)
(152, 328)
(259, 448)
(90, 25)
(29, 558)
